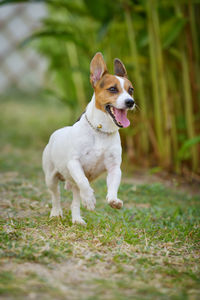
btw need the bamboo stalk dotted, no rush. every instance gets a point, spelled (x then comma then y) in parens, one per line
(196, 46)
(76, 74)
(189, 107)
(154, 78)
(188, 99)
(138, 79)
(175, 111)
(162, 87)
(175, 144)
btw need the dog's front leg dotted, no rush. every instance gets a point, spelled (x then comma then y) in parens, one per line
(86, 192)
(113, 182)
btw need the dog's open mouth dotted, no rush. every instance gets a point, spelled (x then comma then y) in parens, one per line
(119, 116)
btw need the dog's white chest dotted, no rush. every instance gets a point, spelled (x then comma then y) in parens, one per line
(93, 158)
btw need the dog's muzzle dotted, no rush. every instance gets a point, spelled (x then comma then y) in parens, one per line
(129, 103)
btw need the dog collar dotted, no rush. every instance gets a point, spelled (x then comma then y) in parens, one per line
(98, 128)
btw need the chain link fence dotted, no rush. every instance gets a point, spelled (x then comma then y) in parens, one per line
(20, 67)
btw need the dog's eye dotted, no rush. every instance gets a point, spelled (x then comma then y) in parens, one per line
(113, 89)
(130, 91)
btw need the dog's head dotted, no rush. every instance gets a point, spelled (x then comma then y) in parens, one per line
(113, 93)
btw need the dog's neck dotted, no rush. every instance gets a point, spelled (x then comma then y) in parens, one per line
(99, 119)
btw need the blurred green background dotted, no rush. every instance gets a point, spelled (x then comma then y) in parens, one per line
(158, 41)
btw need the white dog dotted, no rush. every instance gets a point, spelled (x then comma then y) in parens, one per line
(78, 154)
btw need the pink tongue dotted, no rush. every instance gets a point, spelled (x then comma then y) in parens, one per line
(120, 116)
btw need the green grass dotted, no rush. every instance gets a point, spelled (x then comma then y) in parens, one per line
(147, 250)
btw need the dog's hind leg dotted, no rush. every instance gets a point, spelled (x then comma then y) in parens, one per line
(53, 186)
(75, 207)
(51, 179)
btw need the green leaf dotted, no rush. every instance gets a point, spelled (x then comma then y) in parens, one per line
(103, 10)
(170, 30)
(74, 7)
(4, 2)
(184, 152)
(103, 30)
(55, 34)
(170, 3)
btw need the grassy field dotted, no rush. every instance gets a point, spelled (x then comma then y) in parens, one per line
(147, 250)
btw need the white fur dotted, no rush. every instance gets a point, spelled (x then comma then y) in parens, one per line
(79, 154)
(120, 103)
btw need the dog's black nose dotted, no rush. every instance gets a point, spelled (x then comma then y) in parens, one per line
(129, 103)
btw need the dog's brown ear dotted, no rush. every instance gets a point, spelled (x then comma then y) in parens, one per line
(97, 68)
(119, 68)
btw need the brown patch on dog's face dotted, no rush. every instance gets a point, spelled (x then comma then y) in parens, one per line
(102, 94)
(108, 89)
(128, 87)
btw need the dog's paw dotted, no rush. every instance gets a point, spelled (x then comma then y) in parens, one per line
(115, 203)
(56, 212)
(78, 220)
(88, 200)
(89, 203)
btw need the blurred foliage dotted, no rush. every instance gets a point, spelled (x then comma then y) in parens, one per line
(158, 41)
